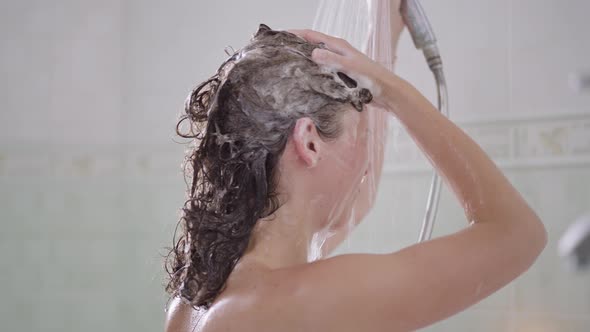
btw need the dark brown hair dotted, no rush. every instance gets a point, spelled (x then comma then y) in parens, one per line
(240, 120)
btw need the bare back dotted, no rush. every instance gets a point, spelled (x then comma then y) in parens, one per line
(402, 291)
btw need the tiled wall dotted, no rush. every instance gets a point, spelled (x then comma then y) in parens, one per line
(90, 183)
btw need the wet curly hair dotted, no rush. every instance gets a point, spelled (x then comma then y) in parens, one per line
(239, 121)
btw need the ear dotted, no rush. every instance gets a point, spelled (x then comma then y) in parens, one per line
(306, 141)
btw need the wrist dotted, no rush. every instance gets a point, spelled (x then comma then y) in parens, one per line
(392, 91)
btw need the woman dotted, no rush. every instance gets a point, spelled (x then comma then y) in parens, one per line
(283, 131)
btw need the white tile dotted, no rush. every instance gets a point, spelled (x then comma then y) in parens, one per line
(82, 264)
(558, 197)
(87, 310)
(26, 72)
(86, 88)
(473, 320)
(548, 42)
(23, 205)
(16, 314)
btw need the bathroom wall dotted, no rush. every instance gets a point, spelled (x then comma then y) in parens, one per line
(90, 182)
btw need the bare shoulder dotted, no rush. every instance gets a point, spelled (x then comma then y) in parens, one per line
(287, 299)
(259, 303)
(181, 317)
(402, 291)
(278, 300)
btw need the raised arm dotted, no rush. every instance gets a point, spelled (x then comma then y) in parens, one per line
(430, 281)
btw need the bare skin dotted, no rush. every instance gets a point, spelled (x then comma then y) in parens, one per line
(276, 289)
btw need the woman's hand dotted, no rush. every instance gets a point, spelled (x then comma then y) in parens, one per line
(342, 56)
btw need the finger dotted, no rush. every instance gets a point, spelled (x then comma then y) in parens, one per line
(302, 33)
(334, 44)
(328, 58)
(298, 32)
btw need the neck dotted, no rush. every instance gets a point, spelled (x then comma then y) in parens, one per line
(285, 238)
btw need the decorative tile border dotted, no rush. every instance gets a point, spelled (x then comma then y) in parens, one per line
(26, 159)
(513, 142)
(533, 141)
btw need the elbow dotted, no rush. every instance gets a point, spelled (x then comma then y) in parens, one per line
(538, 238)
(543, 236)
(535, 232)
(529, 238)
(538, 243)
(538, 233)
(529, 242)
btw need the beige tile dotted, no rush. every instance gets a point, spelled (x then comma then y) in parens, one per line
(550, 323)
(472, 320)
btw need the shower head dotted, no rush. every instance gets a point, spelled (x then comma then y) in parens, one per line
(421, 31)
(580, 81)
(417, 23)
(419, 27)
(574, 245)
